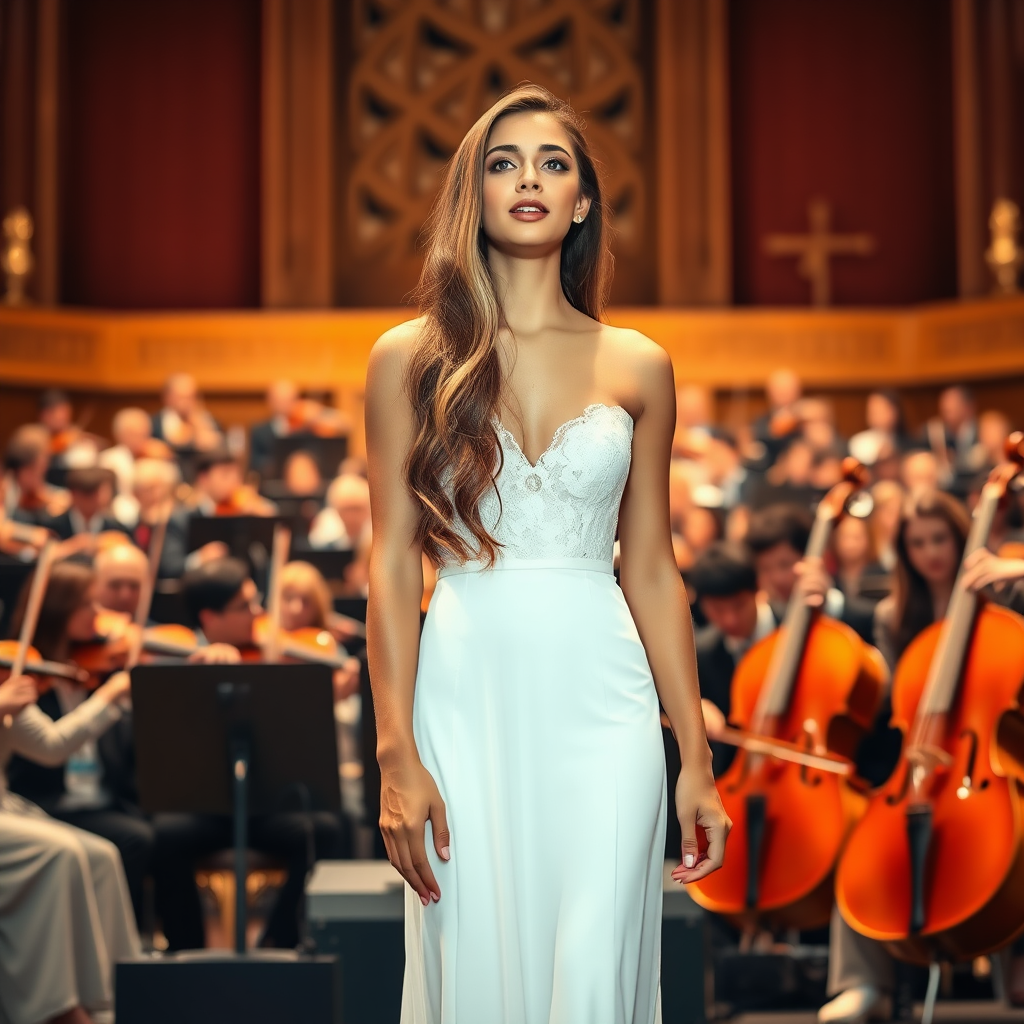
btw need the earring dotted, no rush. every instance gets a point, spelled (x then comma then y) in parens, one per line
(578, 219)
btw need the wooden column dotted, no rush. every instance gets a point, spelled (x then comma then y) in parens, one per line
(971, 215)
(297, 160)
(46, 285)
(693, 198)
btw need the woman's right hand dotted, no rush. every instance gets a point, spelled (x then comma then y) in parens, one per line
(116, 688)
(982, 568)
(409, 798)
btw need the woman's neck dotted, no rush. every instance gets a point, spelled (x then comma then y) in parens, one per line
(530, 291)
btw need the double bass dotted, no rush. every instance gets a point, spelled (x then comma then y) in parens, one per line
(935, 869)
(802, 699)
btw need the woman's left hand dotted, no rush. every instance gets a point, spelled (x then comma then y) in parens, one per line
(700, 809)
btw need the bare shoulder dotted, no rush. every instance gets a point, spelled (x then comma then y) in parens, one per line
(390, 355)
(642, 366)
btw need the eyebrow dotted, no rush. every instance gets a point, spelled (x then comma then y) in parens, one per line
(547, 147)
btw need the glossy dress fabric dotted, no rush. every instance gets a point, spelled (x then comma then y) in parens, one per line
(535, 711)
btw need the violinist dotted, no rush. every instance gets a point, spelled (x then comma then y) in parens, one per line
(69, 444)
(91, 491)
(133, 439)
(222, 600)
(27, 497)
(77, 774)
(346, 518)
(155, 483)
(183, 422)
(120, 577)
(306, 605)
(220, 491)
(781, 424)
(223, 605)
(282, 397)
(930, 541)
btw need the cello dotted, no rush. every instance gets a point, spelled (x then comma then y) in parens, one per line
(802, 699)
(935, 869)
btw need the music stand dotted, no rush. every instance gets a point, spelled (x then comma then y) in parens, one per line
(330, 563)
(235, 740)
(250, 538)
(13, 573)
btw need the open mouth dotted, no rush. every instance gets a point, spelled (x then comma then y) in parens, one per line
(529, 208)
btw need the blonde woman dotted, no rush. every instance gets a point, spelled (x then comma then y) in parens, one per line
(510, 434)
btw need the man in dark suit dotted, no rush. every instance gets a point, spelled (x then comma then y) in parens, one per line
(725, 582)
(281, 398)
(92, 490)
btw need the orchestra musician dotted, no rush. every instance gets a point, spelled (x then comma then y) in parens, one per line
(69, 444)
(220, 491)
(91, 491)
(82, 782)
(182, 421)
(282, 396)
(346, 517)
(930, 541)
(121, 571)
(222, 600)
(27, 497)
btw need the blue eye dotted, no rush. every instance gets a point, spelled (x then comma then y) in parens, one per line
(497, 165)
(555, 160)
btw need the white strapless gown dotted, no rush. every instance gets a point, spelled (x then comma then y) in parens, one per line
(535, 712)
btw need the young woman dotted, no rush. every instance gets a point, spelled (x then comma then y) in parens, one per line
(929, 545)
(509, 432)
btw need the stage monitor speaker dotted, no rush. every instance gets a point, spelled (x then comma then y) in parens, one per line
(205, 988)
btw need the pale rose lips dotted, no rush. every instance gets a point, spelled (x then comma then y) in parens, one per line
(529, 210)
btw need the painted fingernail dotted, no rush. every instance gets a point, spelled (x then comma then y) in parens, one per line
(446, 853)
(435, 896)
(689, 860)
(424, 900)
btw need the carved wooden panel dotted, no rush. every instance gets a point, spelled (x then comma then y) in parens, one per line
(417, 75)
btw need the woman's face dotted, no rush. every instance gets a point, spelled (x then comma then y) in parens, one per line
(531, 189)
(932, 549)
(82, 621)
(297, 608)
(851, 540)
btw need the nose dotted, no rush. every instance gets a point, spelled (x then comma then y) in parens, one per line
(528, 180)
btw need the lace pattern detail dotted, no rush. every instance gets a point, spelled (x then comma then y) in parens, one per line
(567, 505)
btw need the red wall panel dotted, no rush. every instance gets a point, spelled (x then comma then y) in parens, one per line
(850, 100)
(160, 159)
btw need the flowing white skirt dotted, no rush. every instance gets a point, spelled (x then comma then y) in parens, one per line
(535, 712)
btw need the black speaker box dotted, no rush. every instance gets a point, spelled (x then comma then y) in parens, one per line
(225, 989)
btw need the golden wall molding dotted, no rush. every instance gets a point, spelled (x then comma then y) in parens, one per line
(240, 352)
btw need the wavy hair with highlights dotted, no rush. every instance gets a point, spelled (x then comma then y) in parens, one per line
(454, 377)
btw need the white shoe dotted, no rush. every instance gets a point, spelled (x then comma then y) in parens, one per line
(850, 1006)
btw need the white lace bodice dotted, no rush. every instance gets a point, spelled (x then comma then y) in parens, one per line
(567, 505)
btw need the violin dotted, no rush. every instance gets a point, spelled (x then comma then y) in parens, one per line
(802, 699)
(308, 416)
(936, 866)
(246, 501)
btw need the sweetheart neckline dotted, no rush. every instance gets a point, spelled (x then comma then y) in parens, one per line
(559, 431)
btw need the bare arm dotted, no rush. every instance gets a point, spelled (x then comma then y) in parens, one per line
(409, 796)
(657, 600)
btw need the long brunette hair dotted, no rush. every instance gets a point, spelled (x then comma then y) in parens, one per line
(914, 610)
(454, 377)
(66, 591)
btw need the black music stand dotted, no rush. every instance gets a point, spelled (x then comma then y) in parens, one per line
(250, 538)
(235, 740)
